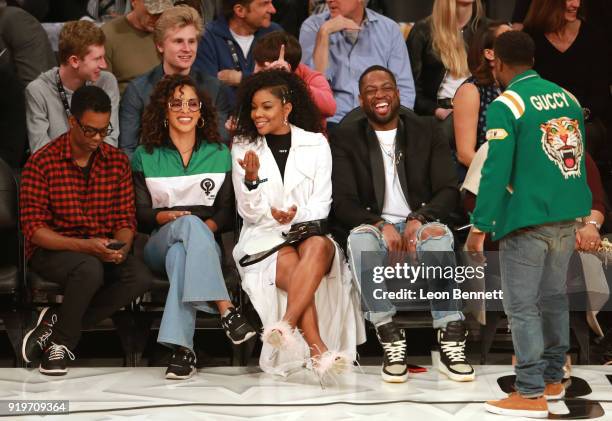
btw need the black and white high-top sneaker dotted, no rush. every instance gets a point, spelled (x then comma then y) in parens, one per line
(393, 341)
(37, 338)
(453, 361)
(182, 364)
(55, 360)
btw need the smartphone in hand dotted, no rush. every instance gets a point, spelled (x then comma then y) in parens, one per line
(115, 245)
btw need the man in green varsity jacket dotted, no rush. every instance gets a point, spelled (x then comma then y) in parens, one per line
(533, 187)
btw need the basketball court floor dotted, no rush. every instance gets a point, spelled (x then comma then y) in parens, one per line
(245, 393)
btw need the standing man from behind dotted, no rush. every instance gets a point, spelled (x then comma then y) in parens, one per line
(532, 189)
(225, 51)
(78, 217)
(176, 37)
(130, 50)
(344, 41)
(48, 97)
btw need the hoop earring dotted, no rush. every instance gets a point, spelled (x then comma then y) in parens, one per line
(165, 122)
(201, 120)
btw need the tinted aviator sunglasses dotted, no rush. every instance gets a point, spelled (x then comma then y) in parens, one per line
(177, 105)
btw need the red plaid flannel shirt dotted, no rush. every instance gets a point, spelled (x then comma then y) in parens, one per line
(55, 194)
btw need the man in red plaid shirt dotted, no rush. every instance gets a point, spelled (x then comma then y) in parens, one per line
(78, 216)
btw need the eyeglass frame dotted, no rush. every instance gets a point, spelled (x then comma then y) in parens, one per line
(183, 103)
(107, 130)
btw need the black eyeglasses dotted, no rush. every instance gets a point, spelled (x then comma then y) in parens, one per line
(90, 132)
(177, 105)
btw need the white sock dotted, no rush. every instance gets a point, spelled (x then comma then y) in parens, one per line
(226, 312)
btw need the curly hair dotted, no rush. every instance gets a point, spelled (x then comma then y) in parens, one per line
(285, 86)
(154, 132)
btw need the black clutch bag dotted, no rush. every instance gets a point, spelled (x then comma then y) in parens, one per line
(297, 233)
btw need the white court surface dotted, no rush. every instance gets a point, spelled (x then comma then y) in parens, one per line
(90, 388)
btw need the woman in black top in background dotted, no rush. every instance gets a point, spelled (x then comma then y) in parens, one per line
(572, 52)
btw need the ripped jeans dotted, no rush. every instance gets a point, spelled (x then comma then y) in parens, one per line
(368, 239)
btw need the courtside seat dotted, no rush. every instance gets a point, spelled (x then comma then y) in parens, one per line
(10, 258)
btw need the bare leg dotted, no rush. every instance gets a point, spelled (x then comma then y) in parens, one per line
(299, 273)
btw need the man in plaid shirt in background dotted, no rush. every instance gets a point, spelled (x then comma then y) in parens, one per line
(78, 217)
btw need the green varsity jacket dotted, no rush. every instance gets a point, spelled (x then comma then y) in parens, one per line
(535, 168)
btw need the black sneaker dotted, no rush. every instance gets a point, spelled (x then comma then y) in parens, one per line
(395, 362)
(36, 340)
(55, 359)
(182, 364)
(237, 327)
(453, 361)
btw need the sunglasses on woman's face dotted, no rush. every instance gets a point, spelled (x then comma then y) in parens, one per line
(177, 105)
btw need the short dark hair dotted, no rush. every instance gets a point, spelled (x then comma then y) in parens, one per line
(268, 47)
(376, 68)
(515, 48)
(227, 8)
(89, 98)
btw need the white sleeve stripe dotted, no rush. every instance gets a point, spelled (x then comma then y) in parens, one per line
(518, 99)
(508, 103)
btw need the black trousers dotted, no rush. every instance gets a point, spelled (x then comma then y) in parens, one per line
(93, 290)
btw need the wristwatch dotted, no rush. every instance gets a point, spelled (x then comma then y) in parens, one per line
(592, 222)
(416, 216)
(251, 184)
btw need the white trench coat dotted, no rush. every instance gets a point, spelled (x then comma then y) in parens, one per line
(307, 184)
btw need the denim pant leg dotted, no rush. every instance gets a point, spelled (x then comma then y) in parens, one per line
(191, 257)
(554, 302)
(522, 262)
(438, 252)
(362, 266)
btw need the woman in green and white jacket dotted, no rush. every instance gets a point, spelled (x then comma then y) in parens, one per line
(184, 196)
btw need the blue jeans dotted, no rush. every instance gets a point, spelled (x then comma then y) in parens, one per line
(533, 265)
(378, 310)
(187, 251)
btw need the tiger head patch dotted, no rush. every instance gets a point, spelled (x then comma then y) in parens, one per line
(562, 143)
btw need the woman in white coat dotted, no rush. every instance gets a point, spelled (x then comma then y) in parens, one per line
(282, 176)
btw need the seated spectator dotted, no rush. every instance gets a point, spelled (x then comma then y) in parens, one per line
(12, 118)
(181, 152)
(282, 177)
(290, 14)
(380, 198)
(79, 230)
(130, 50)
(280, 50)
(225, 51)
(37, 8)
(572, 53)
(474, 96)
(81, 55)
(349, 38)
(176, 38)
(438, 54)
(24, 44)
(102, 10)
